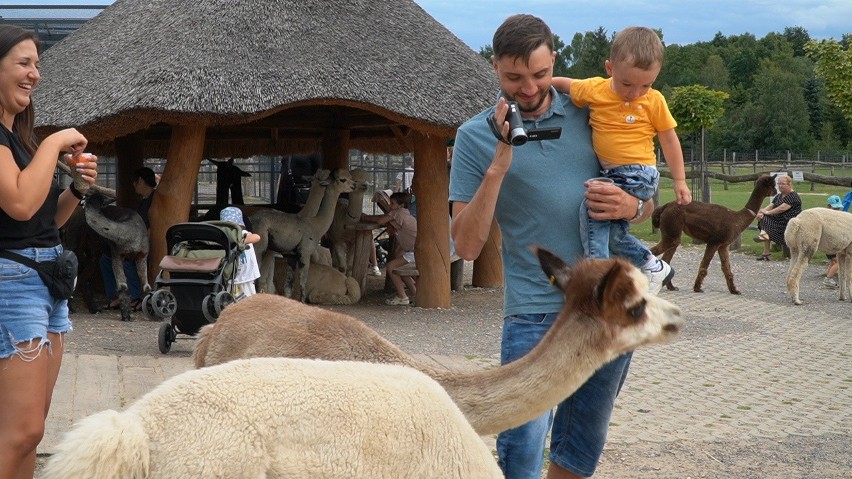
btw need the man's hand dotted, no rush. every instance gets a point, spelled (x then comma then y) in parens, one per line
(609, 202)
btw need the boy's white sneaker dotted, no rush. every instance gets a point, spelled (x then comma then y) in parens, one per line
(656, 279)
(375, 271)
(397, 301)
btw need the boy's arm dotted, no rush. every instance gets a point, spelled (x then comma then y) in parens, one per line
(562, 84)
(674, 158)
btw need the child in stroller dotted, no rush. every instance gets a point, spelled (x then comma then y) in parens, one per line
(196, 279)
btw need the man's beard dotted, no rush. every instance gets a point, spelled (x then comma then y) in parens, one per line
(526, 108)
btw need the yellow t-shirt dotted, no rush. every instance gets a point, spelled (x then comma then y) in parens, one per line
(622, 132)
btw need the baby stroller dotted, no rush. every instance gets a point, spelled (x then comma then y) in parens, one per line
(196, 278)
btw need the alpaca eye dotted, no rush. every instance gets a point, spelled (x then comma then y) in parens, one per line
(638, 311)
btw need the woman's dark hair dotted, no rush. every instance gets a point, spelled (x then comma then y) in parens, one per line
(10, 36)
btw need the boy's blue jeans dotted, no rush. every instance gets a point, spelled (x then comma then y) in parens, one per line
(602, 239)
(581, 421)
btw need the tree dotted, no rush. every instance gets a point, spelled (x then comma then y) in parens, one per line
(697, 108)
(833, 65)
(586, 54)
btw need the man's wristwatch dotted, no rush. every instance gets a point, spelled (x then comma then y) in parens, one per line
(640, 208)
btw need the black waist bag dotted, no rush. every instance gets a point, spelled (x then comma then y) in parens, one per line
(60, 276)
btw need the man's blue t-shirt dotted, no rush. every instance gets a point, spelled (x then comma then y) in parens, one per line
(539, 200)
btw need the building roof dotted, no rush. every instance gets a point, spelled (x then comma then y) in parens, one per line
(268, 64)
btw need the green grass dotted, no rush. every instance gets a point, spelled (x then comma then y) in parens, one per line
(735, 197)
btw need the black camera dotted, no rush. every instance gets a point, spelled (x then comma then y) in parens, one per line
(518, 135)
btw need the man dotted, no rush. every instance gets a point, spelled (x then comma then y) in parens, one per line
(534, 192)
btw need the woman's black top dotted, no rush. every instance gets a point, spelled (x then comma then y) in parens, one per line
(41, 230)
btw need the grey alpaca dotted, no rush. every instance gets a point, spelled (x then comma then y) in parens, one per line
(127, 236)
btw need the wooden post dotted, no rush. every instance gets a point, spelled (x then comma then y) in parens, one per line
(335, 149)
(431, 186)
(173, 198)
(488, 267)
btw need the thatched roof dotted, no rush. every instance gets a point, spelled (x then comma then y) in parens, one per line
(262, 71)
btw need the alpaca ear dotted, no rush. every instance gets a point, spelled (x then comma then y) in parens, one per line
(602, 286)
(557, 271)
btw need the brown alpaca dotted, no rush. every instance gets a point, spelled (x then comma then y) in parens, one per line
(607, 312)
(714, 225)
(819, 229)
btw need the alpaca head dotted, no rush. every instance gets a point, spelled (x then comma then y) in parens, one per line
(765, 185)
(362, 180)
(320, 177)
(611, 297)
(342, 181)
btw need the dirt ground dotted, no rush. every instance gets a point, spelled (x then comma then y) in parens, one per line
(472, 327)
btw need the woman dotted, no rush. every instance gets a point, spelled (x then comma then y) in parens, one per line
(772, 220)
(32, 323)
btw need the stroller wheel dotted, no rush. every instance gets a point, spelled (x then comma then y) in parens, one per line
(163, 303)
(223, 299)
(208, 308)
(148, 308)
(166, 337)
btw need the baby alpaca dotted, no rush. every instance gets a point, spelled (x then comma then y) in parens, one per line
(819, 229)
(280, 418)
(607, 312)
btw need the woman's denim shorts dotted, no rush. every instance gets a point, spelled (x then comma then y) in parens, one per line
(27, 311)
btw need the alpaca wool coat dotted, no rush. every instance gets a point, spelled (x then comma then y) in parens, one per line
(280, 418)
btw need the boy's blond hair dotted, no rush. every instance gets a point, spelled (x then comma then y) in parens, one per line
(639, 46)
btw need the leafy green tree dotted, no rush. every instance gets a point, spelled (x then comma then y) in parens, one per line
(486, 52)
(695, 107)
(586, 54)
(714, 74)
(833, 65)
(784, 114)
(798, 38)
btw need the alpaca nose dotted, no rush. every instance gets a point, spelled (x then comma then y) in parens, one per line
(676, 321)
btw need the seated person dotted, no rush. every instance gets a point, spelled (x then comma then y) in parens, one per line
(403, 227)
(144, 183)
(772, 220)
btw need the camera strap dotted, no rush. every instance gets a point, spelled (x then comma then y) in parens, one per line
(495, 130)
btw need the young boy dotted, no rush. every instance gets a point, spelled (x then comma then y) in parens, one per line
(625, 115)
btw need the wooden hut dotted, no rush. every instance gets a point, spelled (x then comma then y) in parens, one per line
(216, 78)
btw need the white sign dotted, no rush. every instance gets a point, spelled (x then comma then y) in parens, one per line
(798, 176)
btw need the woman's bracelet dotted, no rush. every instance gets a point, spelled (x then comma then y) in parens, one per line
(75, 192)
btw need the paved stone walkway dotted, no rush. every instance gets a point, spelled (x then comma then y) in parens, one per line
(772, 371)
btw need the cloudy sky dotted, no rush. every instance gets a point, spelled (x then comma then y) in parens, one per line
(682, 21)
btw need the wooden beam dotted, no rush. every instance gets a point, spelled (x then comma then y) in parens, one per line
(335, 149)
(128, 158)
(488, 266)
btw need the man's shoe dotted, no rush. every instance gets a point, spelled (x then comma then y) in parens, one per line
(657, 279)
(829, 283)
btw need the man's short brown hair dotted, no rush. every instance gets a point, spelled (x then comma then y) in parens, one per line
(520, 35)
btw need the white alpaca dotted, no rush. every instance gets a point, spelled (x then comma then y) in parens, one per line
(819, 229)
(607, 312)
(290, 233)
(348, 212)
(280, 418)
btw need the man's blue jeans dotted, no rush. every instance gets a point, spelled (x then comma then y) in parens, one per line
(581, 421)
(110, 286)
